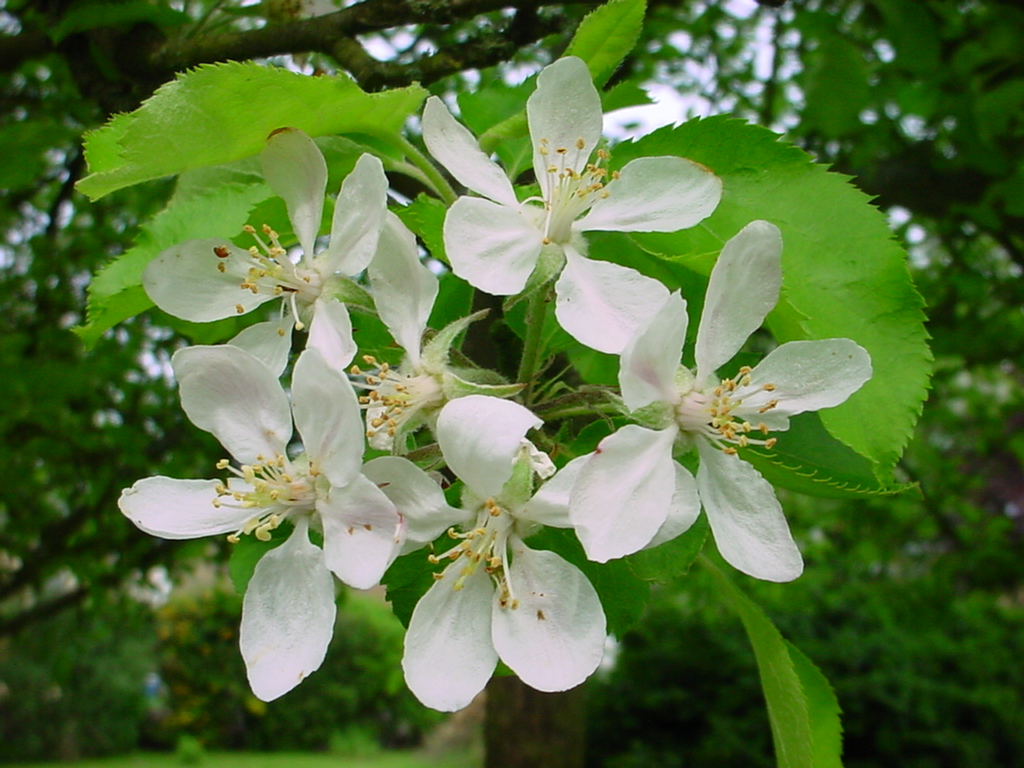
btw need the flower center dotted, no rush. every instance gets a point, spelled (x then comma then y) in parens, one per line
(273, 488)
(393, 399)
(484, 546)
(272, 272)
(721, 415)
(570, 193)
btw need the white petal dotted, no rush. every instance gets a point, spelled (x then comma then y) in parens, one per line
(682, 512)
(555, 638)
(743, 289)
(328, 418)
(418, 498)
(330, 332)
(184, 281)
(564, 112)
(403, 288)
(649, 361)
(179, 509)
(550, 505)
(805, 376)
(358, 217)
(269, 342)
(296, 171)
(622, 494)
(479, 437)
(602, 304)
(360, 532)
(232, 395)
(449, 656)
(287, 616)
(655, 194)
(746, 518)
(491, 246)
(454, 147)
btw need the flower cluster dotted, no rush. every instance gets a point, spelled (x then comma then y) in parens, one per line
(297, 482)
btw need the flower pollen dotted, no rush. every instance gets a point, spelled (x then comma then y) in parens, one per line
(720, 415)
(275, 490)
(392, 397)
(272, 272)
(571, 192)
(484, 546)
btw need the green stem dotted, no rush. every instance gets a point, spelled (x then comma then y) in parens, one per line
(530, 362)
(583, 409)
(437, 181)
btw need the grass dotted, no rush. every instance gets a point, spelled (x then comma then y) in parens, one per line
(272, 760)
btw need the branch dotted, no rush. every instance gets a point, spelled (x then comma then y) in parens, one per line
(321, 34)
(485, 50)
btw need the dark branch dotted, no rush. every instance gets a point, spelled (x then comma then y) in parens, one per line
(322, 34)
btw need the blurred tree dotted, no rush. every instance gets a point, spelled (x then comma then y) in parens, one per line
(920, 102)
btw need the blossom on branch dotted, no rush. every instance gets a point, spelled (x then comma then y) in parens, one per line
(497, 243)
(497, 598)
(288, 611)
(630, 493)
(206, 280)
(400, 400)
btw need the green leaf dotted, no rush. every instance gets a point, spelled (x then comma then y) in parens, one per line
(843, 274)
(607, 35)
(424, 216)
(672, 559)
(807, 459)
(911, 28)
(112, 13)
(836, 87)
(218, 113)
(409, 578)
(29, 141)
(802, 708)
(823, 709)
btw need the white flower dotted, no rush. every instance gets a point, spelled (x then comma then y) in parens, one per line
(630, 493)
(205, 280)
(288, 611)
(495, 242)
(404, 291)
(498, 598)
(399, 400)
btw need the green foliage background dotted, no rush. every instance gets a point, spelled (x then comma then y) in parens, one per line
(911, 605)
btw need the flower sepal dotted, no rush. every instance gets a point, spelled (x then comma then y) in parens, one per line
(459, 382)
(347, 291)
(434, 355)
(549, 266)
(656, 415)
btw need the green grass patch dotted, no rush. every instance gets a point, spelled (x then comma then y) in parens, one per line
(408, 759)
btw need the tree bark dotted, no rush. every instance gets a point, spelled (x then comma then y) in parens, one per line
(525, 728)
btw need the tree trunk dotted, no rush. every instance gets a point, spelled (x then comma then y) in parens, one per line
(525, 728)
